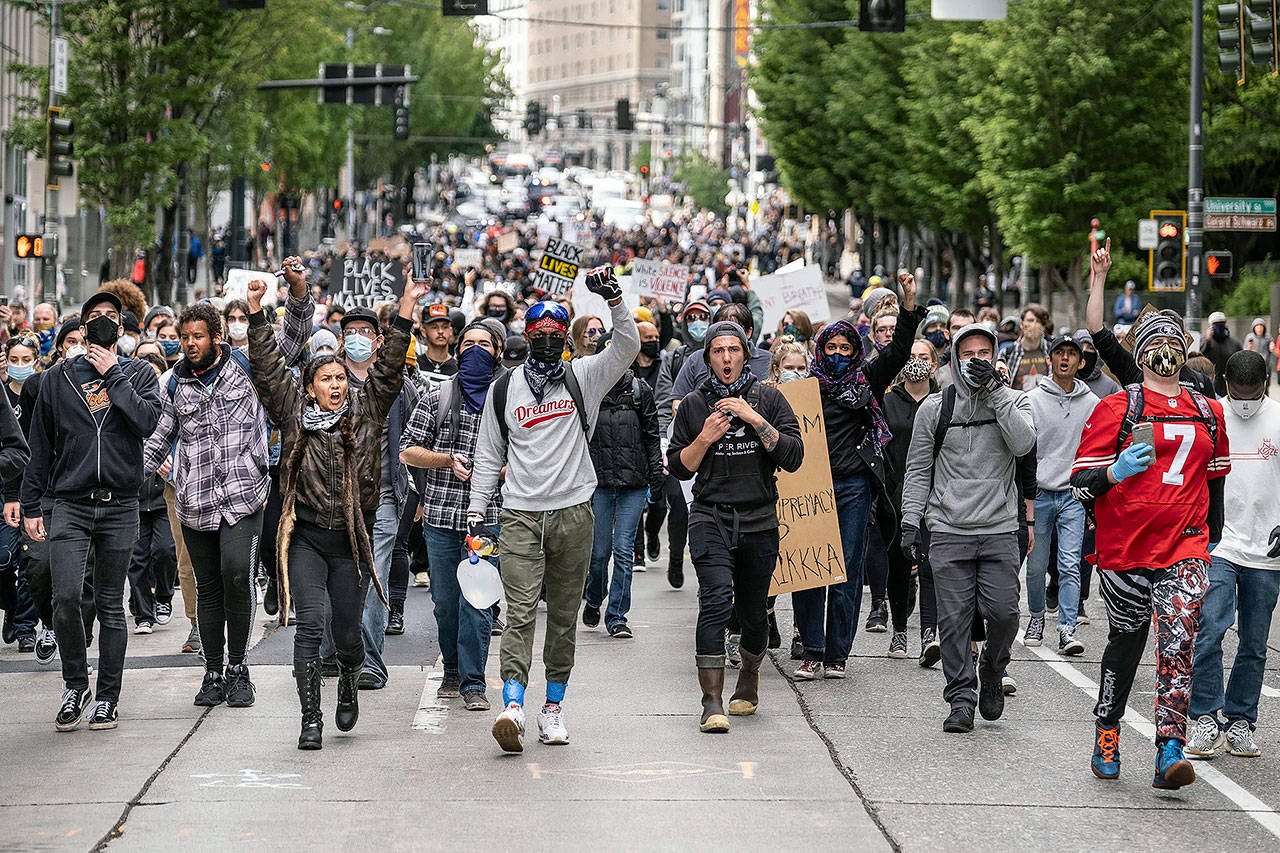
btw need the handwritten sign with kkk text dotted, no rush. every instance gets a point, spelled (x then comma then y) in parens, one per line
(558, 267)
(809, 549)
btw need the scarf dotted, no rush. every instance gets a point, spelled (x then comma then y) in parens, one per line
(475, 372)
(849, 389)
(721, 391)
(316, 420)
(539, 373)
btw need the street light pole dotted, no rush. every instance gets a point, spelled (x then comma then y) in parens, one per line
(49, 263)
(1195, 169)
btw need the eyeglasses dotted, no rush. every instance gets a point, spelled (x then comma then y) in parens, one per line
(362, 332)
(593, 332)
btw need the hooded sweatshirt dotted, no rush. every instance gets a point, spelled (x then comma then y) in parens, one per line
(1059, 417)
(971, 488)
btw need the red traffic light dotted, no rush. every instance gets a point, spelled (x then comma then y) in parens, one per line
(337, 204)
(1168, 229)
(644, 170)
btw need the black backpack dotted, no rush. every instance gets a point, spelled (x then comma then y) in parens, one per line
(1133, 415)
(499, 392)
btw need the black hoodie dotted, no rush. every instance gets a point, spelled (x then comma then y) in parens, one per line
(72, 454)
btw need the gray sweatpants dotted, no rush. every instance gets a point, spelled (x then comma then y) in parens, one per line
(974, 573)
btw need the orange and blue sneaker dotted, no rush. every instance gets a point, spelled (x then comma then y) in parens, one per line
(1106, 752)
(1172, 768)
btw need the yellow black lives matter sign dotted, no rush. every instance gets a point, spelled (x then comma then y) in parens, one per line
(558, 267)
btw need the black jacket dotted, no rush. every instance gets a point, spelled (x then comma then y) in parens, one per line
(900, 414)
(625, 447)
(14, 454)
(71, 455)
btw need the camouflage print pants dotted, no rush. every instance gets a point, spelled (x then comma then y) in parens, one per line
(1172, 595)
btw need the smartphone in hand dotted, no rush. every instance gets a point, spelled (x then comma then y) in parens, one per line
(1145, 433)
(422, 261)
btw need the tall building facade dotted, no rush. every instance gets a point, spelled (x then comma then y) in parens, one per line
(506, 33)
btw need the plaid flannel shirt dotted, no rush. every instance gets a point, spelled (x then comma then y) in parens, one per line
(220, 467)
(444, 496)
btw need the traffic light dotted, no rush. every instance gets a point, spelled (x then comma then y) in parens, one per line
(400, 130)
(339, 206)
(882, 16)
(1218, 264)
(1263, 35)
(59, 147)
(1167, 264)
(624, 119)
(28, 246)
(535, 118)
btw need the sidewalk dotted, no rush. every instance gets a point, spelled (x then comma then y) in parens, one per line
(208, 780)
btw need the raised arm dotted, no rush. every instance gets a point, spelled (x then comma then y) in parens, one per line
(1099, 265)
(299, 310)
(272, 378)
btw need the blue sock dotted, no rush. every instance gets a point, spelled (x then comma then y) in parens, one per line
(555, 693)
(513, 691)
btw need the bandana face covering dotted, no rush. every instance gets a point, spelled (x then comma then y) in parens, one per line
(1164, 360)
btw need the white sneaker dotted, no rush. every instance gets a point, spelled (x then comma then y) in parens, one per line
(422, 579)
(1206, 739)
(143, 628)
(551, 728)
(639, 566)
(1240, 740)
(508, 729)
(1008, 684)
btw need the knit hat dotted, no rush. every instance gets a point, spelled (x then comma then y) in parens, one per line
(720, 330)
(871, 301)
(1157, 326)
(719, 293)
(323, 339)
(642, 315)
(68, 326)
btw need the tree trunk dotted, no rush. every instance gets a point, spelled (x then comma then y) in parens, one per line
(162, 268)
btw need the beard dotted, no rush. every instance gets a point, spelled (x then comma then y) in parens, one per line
(206, 360)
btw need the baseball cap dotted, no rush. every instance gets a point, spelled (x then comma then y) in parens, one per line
(435, 312)
(366, 315)
(97, 299)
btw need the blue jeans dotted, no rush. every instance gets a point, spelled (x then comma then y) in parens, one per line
(374, 622)
(1060, 511)
(617, 515)
(463, 631)
(1252, 594)
(843, 600)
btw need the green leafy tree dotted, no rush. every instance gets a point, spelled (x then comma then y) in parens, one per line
(704, 182)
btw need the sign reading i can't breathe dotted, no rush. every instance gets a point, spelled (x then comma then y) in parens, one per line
(809, 550)
(558, 267)
(365, 281)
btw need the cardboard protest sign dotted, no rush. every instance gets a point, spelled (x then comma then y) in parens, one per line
(660, 279)
(237, 285)
(557, 267)
(363, 281)
(508, 242)
(801, 290)
(586, 302)
(464, 258)
(809, 549)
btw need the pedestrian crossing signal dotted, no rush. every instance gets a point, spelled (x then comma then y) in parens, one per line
(29, 246)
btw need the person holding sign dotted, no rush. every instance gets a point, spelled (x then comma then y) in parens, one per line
(852, 394)
(730, 437)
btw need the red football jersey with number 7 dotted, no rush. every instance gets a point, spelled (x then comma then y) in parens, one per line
(1161, 516)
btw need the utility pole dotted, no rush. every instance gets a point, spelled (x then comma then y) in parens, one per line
(49, 263)
(1195, 173)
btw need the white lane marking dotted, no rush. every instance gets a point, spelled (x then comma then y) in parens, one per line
(431, 714)
(1247, 802)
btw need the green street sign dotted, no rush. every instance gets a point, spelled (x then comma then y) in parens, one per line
(1240, 206)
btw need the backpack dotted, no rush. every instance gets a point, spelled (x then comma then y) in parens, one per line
(449, 409)
(944, 420)
(503, 382)
(1133, 415)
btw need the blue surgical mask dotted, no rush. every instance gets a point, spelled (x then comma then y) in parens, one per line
(170, 348)
(21, 372)
(698, 330)
(358, 348)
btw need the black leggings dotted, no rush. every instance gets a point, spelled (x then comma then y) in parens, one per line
(902, 586)
(320, 566)
(677, 522)
(268, 550)
(225, 598)
(732, 581)
(875, 564)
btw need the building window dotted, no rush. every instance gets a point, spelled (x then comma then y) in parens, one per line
(664, 5)
(663, 35)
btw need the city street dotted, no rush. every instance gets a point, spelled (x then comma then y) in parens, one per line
(856, 764)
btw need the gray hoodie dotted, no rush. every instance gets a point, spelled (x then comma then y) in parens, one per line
(974, 481)
(1059, 417)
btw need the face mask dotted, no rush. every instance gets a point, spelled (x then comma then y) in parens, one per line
(170, 348)
(1164, 360)
(238, 331)
(21, 372)
(43, 326)
(649, 349)
(793, 332)
(916, 370)
(937, 337)
(838, 364)
(358, 348)
(547, 349)
(76, 350)
(496, 313)
(792, 376)
(126, 345)
(1220, 333)
(966, 372)
(46, 341)
(698, 330)
(1244, 408)
(104, 331)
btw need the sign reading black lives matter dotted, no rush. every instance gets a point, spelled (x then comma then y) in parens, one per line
(558, 267)
(365, 281)
(809, 550)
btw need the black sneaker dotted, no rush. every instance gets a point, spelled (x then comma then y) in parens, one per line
(164, 612)
(930, 649)
(498, 627)
(590, 616)
(395, 621)
(449, 685)
(74, 704)
(474, 700)
(959, 721)
(990, 697)
(370, 681)
(878, 619)
(797, 647)
(26, 645)
(46, 647)
(620, 631)
(104, 716)
(9, 632)
(238, 688)
(213, 690)
(675, 575)
(654, 549)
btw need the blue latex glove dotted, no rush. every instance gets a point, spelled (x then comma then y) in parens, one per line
(1135, 459)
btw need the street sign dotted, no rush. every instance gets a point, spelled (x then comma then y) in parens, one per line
(1147, 235)
(1218, 264)
(1239, 222)
(59, 82)
(1240, 205)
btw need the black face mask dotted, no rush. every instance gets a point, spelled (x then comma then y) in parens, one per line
(102, 330)
(547, 349)
(497, 313)
(649, 349)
